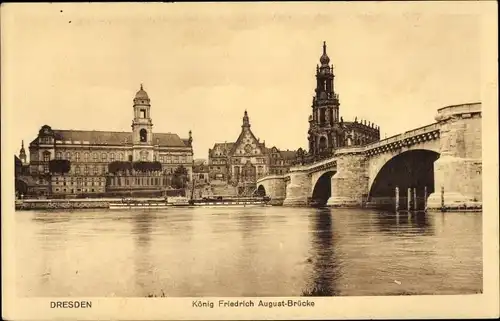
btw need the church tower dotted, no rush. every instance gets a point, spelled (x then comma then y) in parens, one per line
(142, 127)
(323, 123)
(22, 153)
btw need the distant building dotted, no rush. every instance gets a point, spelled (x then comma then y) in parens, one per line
(91, 152)
(327, 130)
(201, 172)
(280, 161)
(240, 163)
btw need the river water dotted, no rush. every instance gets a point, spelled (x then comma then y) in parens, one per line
(268, 251)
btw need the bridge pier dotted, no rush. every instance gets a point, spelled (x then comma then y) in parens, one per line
(297, 190)
(350, 183)
(458, 171)
(274, 187)
(460, 180)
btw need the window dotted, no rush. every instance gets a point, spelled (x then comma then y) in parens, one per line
(77, 157)
(77, 170)
(103, 157)
(46, 156)
(86, 170)
(121, 156)
(112, 157)
(169, 159)
(46, 168)
(143, 135)
(154, 158)
(144, 156)
(86, 157)
(58, 155)
(174, 159)
(95, 157)
(96, 170)
(143, 113)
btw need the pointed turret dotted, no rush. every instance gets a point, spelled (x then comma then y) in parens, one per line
(22, 153)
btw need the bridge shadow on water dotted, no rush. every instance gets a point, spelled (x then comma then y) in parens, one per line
(325, 271)
(404, 223)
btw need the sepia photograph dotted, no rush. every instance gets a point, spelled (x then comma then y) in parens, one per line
(243, 156)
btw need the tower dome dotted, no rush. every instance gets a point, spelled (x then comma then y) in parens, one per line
(141, 94)
(324, 59)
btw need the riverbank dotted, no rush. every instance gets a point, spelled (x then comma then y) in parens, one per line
(49, 204)
(74, 204)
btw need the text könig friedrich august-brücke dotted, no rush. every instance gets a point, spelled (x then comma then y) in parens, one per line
(290, 303)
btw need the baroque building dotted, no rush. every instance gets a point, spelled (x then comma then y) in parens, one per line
(242, 162)
(91, 152)
(327, 130)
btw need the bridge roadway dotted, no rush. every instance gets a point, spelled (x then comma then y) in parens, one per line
(438, 165)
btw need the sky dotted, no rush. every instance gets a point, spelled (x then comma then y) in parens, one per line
(78, 66)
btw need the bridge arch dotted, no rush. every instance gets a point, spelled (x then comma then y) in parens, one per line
(322, 188)
(410, 169)
(260, 191)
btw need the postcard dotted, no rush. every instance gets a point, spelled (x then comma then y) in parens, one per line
(167, 161)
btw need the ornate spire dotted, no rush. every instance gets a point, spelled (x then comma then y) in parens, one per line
(22, 152)
(246, 121)
(325, 60)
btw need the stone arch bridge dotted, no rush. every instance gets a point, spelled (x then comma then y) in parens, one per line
(440, 163)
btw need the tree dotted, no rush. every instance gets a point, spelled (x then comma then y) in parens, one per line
(180, 177)
(119, 166)
(147, 166)
(61, 166)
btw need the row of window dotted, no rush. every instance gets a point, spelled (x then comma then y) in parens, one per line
(138, 181)
(79, 183)
(79, 190)
(85, 179)
(236, 161)
(104, 157)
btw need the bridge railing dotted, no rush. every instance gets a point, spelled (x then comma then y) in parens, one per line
(461, 108)
(310, 166)
(408, 134)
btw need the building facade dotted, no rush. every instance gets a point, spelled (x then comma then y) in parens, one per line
(240, 163)
(327, 130)
(90, 153)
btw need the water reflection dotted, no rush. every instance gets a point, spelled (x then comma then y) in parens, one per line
(324, 266)
(403, 223)
(141, 231)
(273, 251)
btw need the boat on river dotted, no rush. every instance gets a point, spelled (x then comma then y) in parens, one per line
(139, 204)
(185, 202)
(231, 202)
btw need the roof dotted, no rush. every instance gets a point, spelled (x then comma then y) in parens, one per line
(285, 154)
(94, 137)
(288, 154)
(199, 161)
(240, 138)
(141, 94)
(221, 146)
